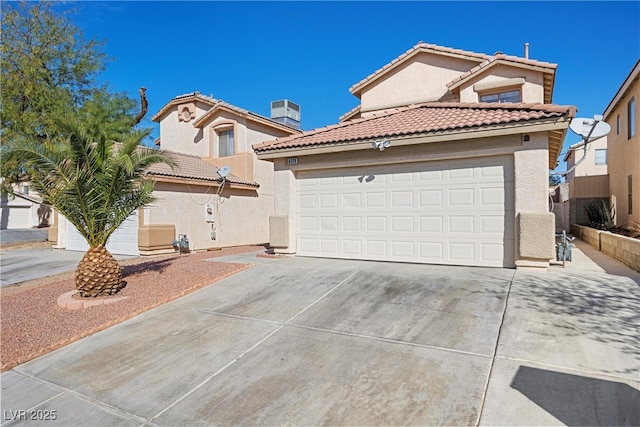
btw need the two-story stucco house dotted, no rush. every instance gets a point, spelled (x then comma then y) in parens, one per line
(445, 160)
(591, 161)
(219, 195)
(587, 180)
(624, 151)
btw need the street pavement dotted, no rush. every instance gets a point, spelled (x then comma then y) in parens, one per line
(23, 235)
(309, 341)
(20, 265)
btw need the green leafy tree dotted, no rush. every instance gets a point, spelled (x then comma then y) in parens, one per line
(48, 68)
(96, 183)
(555, 180)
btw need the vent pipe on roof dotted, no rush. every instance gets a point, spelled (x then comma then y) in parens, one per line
(526, 51)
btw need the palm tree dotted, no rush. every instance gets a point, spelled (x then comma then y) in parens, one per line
(96, 183)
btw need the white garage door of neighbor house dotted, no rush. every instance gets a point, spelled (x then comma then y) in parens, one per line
(123, 241)
(442, 212)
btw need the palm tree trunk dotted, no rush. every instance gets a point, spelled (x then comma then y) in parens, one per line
(98, 274)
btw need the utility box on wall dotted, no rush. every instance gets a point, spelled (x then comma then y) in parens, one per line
(209, 213)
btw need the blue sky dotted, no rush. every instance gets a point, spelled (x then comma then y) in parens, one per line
(251, 53)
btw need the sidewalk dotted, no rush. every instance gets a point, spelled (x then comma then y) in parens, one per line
(587, 258)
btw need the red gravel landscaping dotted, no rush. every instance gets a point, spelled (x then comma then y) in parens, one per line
(32, 323)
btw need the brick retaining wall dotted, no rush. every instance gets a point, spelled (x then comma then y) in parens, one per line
(624, 249)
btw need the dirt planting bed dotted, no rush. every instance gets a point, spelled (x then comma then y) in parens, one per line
(32, 323)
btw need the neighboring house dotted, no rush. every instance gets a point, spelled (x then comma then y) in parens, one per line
(588, 181)
(592, 161)
(212, 207)
(23, 210)
(444, 161)
(624, 150)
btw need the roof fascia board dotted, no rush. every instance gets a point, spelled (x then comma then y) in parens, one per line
(201, 122)
(183, 181)
(501, 62)
(359, 87)
(456, 135)
(157, 117)
(622, 90)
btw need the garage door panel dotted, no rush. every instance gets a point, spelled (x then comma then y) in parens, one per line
(376, 248)
(352, 224)
(376, 199)
(431, 198)
(464, 224)
(462, 251)
(352, 247)
(431, 224)
(441, 212)
(400, 224)
(123, 241)
(461, 197)
(376, 224)
(402, 249)
(351, 200)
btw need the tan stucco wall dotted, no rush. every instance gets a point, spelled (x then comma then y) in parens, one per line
(244, 163)
(532, 89)
(181, 136)
(530, 188)
(424, 79)
(242, 216)
(587, 167)
(624, 159)
(532, 196)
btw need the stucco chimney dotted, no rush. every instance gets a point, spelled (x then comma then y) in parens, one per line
(526, 51)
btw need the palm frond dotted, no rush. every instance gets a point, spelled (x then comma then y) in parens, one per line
(91, 179)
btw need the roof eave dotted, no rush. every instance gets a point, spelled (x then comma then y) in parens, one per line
(539, 125)
(357, 88)
(194, 181)
(545, 70)
(622, 90)
(177, 101)
(201, 122)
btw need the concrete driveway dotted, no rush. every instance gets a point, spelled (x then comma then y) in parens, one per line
(331, 342)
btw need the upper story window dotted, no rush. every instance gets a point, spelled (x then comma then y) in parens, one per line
(601, 156)
(509, 96)
(226, 145)
(630, 194)
(631, 118)
(618, 124)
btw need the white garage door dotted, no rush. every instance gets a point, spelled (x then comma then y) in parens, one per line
(446, 212)
(124, 241)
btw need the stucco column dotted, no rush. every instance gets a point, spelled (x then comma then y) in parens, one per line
(535, 225)
(285, 206)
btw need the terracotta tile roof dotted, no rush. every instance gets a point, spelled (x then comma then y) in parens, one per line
(192, 96)
(200, 121)
(190, 167)
(349, 114)
(421, 119)
(420, 47)
(216, 103)
(482, 59)
(501, 58)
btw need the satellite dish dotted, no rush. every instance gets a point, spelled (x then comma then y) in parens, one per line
(583, 126)
(224, 171)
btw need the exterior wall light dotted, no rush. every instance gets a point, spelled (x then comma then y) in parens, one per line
(381, 145)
